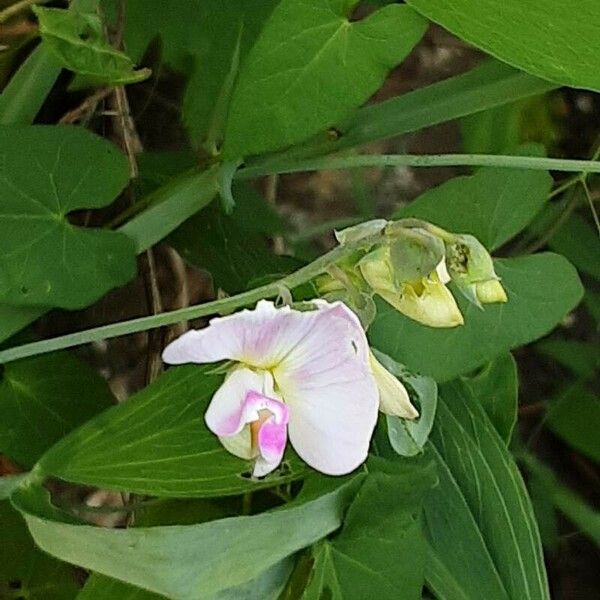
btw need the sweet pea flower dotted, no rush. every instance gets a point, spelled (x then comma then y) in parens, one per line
(306, 374)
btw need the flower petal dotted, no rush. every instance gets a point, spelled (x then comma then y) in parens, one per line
(259, 338)
(224, 415)
(272, 438)
(327, 382)
(393, 397)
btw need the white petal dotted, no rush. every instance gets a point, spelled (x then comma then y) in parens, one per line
(240, 444)
(223, 415)
(393, 397)
(442, 271)
(327, 382)
(259, 338)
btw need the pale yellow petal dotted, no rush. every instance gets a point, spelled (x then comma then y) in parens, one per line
(393, 397)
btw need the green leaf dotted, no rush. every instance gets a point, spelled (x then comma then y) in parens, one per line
(76, 40)
(550, 40)
(310, 67)
(580, 357)
(497, 387)
(493, 204)
(203, 559)
(487, 86)
(493, 131)
(44, 259)
(157, 443)
(232, 247)
(171, 205)
(98, 587)
(536, 304)
(44, 398)
(578, 241)
(480, 507)
(585, 517)
(408, 438)
(23, 96)
(380, 551)
(228, 32)
(25, 571)
(574, 416)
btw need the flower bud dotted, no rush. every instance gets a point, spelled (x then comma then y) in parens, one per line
(426, 300)
(472, 270)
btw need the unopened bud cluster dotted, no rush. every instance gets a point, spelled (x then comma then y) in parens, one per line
(410, 264)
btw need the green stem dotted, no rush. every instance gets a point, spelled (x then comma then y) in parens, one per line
(224, 305)
(422, 160)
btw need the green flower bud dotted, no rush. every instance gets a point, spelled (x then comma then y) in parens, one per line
(471, 268)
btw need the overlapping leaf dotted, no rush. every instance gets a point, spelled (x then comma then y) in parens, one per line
(310, 66)
(479, 515)
(203, 559)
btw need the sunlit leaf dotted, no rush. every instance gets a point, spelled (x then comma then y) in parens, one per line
(310, 67)
(77, 41)
(550, 40)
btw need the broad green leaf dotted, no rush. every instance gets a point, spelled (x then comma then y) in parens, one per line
(77, 41)
(44, 398)
(493, 204)
(578, 241)
(496, 385)
(98, 587)
(380, 551)
(574, 416)
(408, 438)
(15, 318)
(157, 443)
(203, 559)
(228, 31)
(44, 259)
(25, 571)
(479, 520)
(580, 357)
(197, 38)
(310, 67)
(553, 40)
(487, 86)
(232, 247)
(541, 290)
(266, 586)
(171, 205)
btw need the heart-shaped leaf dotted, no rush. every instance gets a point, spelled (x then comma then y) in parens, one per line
(45, 174)
(310, 67)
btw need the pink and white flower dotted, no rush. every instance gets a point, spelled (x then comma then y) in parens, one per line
(304, 374)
